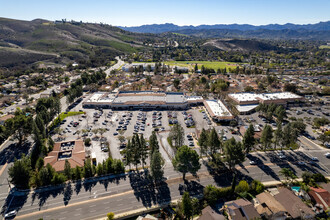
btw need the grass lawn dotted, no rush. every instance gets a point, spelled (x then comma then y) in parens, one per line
(208, 64)
(61, 117)
(325, 47)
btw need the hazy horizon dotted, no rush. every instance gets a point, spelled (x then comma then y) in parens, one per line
(194, 12)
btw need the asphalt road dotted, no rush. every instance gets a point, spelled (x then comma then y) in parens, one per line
(95, 199)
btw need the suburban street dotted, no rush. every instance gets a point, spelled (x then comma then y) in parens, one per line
(95, 198)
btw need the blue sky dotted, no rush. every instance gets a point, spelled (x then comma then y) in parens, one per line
(181, 12)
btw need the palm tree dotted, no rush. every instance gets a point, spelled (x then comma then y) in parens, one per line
(95, 131)
(78, 132)
(288, 174)
(102, 131)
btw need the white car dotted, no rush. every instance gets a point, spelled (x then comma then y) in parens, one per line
(252, 162)
(282, 156)
(327, 155)
(315, 159)
(10, 214)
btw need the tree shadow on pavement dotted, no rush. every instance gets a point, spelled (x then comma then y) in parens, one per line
(67, 193)
(220, 173)
(44, 194)
(194, 188)
(13, 151)
(14, 201)
(106, 180)
(78, 186)
(89, 184)
(146, 191)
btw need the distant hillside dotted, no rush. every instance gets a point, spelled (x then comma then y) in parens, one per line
(319, 31)
(284, 34)
(38, 40)
(240, 45)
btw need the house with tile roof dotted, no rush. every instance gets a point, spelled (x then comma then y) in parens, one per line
(73, 151)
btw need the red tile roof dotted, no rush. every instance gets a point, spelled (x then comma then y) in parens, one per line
(77, 157)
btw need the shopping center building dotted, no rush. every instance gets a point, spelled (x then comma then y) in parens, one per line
(146, 100)
(247, 102)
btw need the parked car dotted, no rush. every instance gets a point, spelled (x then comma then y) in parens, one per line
(315, 159)
(10, 214)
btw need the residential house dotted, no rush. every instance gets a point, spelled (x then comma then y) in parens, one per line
(210, 214)
(320, 196)
(268, 207)
(293, 204)
(241, 209)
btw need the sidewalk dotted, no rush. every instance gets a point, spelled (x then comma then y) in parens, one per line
(140, 211)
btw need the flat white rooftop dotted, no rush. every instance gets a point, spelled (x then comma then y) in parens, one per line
(194, 98)
(245, 108)
(218, 108)
(264, 96)
(101, 97)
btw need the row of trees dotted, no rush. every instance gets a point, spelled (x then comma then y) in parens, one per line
(137, 153)
(76, 88)
(24, 176)
(211, 144)
(270, 110)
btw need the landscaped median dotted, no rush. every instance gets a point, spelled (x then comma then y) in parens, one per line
(61, 117)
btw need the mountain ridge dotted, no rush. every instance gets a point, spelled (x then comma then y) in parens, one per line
(166, 27)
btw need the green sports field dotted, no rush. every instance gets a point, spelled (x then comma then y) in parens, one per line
(325, 47)
(208, 64)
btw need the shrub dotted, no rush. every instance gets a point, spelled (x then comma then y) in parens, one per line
(242, 186)
(87, 141)
(256, 187)
(211, 194)
(111, 216)
(224, 192)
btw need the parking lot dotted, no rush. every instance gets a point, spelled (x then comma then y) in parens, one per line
(115, 127)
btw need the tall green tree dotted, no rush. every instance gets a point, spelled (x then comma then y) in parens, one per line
(19, 126)
(186, 160)
(278, 135)
(234, 153)
(156, 166)
(129, 154)
(153, 143)
(187, 207)
(267, 136)
(88, 169)
(286, 135)
(143, 150)
(203, 142)
(248, 139)
(77, 173)
(136, 153)
(177, 135)
(214, 142)
(20, 172)
(67, 170)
